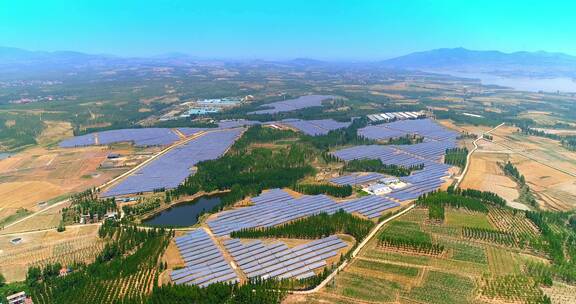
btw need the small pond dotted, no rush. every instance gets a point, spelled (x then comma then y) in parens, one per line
(184, 214)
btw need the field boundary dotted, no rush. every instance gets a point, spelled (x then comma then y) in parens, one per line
(354, 253)
(469, 156)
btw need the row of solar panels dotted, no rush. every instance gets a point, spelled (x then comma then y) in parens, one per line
(394, 115)
(357, 178)
(301, 102)
(315, 127)
(142, 137)
(274, 209)
(277, 260)
(205, 263)
(426, 128)
(172, 168)
(428, 153)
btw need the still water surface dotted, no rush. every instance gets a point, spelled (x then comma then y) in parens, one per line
(184, 214)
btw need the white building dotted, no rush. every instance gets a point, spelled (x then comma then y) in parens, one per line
(378, 189)
(17, 298)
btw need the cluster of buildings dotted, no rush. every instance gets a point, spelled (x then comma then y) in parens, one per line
(390, 116)
(204, 106)
(384, 186)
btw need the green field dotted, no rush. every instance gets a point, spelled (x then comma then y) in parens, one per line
(460, 219)
(440, 287)
(387, 268)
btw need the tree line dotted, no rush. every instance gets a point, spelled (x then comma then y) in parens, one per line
(453, 200)
(456, 157)
(420, 246)
(567, 141)
(317, 226)
(329, 189)
(525, 193)
(376, 165)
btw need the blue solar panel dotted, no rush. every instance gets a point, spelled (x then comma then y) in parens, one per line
(140, 137)
(203, 267)
(315, 127)
(173, 167)
(293, 104)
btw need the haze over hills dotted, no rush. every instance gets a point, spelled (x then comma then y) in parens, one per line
(493, 62)
(536, 64)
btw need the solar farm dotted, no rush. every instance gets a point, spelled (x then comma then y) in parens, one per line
(389, 116)
(426, 128)
(142, 137)
(211, 256)
(301, 102)
(276, 207)
(277, 260)
(429, 153)
(205, 263)
(315, 127)
(173, 167)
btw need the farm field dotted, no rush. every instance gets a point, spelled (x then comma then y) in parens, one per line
(484, 174)
(463, 274)
(76, 244)
(42, 174)
(44, 219)
(549, 169)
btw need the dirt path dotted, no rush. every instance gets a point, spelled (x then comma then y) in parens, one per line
(469, 156)
(120, 177)
(241, 276)
(354, 253)
(36, 213)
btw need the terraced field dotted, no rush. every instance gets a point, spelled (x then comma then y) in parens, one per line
(468, 272)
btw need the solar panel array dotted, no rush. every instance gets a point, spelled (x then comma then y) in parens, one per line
(172, 168)
(226, 124)
(79, 141)
(191, 131)
(315, 127)
(357, 178)
(301, 102)
(421, 182)
(394, 115)
(142, 137)
(277, 207)
(277, 260)
(426, 128)
(205, 263)
(437, 140)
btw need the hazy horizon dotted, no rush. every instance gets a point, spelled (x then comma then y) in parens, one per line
(324, 30)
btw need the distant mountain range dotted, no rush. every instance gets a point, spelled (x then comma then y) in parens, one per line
(537, 64)
(492, 62)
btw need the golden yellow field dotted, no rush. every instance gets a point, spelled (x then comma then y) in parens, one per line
(79, 243)
(40, 174)
(549, 168)
(485, 174)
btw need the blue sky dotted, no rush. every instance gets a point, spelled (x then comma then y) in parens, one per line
(274, 29)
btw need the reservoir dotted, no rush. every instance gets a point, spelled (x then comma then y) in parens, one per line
(549, 85)
(184, 214)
